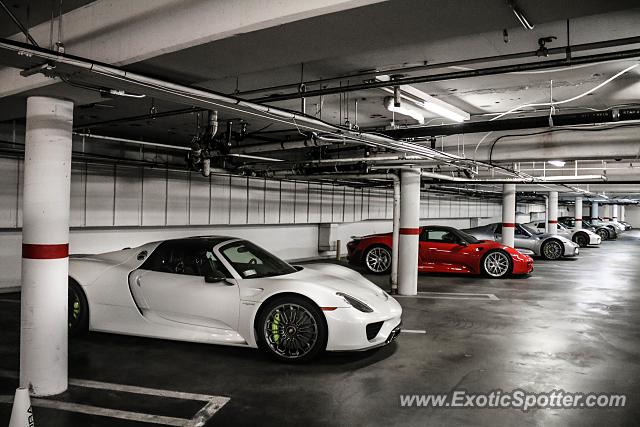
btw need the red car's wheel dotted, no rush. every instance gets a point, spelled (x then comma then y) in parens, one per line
(496, 264)
(377, 259)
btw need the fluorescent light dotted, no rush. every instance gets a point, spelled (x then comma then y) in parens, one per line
(427, 102)
(404, 109)
(444, 112)
(557, 163)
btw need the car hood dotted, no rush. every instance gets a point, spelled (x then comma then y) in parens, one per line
(336, 278)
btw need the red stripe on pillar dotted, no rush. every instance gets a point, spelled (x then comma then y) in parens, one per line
(410, 231)
(509, 224)
(578, 219)
(32, 251)
(553, 221)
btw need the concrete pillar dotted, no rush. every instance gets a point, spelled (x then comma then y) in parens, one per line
(615, 212)
(508, 214)
(395, 239)
(607, 213)
(45, 246)
(552, 213)
(409, 232)
(594, 209)
(622, 217)
(577, 212)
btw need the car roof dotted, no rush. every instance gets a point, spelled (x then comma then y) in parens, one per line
(213, 240)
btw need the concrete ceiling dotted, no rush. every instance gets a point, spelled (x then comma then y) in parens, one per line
(380, 36)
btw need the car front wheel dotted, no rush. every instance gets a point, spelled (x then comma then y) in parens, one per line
(377, 259)
(603, 233)
(292, 329)
(496, 264)
(581, 239)
(552, 249)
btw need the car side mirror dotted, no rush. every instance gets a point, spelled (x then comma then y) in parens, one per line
(462, 243)
(214, 277)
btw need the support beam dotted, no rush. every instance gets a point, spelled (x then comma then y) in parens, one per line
(409, 232)
(508, 214)
(594, 209)
(45, 246)
(552, 213)
(577, 214)
(395, 239)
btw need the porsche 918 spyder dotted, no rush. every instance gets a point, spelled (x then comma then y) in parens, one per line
(443, 250)
(223, 290)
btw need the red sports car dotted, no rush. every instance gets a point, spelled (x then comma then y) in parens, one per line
(443, 250)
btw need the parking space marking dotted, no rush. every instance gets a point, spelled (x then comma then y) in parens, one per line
(413, 331)
(214, 403)
(452, 295)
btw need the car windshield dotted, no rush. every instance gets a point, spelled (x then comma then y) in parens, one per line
(530, 230)
(468, 237)
(253, 262)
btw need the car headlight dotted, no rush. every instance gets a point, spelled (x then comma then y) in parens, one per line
(355, 303)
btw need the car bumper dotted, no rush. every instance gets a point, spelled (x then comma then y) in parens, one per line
(348, 328)
(354, 254)
(571, 249)
(595, 240)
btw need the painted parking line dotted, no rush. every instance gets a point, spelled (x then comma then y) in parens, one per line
(213, 405)
(413, 331)
(451, 295)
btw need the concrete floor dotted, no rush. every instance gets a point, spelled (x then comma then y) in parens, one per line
(571, 325)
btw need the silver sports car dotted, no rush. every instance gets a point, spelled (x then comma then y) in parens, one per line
(582, 237)
(529, 242)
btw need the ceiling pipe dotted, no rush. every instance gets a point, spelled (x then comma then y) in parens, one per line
(465, 74)
(214, 100)
(609, 116)
(429, 66)
(131, 141)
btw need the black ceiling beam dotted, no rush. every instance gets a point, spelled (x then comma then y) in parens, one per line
(592, 117)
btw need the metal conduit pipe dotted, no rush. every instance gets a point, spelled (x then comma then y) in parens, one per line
(214, 100)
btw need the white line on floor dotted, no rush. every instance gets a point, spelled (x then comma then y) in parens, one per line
(451, 295)
(104, 412)
(214, 403)
(413, 331)
(14, 301)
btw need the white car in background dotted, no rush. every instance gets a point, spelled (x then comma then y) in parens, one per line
(223, 290)
(582, 237)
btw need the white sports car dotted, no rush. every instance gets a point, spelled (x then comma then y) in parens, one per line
(223, 290)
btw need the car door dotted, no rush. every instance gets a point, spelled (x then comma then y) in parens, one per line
(523, 239)
(442, 250)
(171, 286)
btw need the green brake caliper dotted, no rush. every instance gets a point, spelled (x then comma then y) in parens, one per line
(274, 327)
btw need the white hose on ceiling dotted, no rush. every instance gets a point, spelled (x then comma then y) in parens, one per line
(554, 103)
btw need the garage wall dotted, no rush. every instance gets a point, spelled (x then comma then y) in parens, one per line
(117, 206)
(632, 215)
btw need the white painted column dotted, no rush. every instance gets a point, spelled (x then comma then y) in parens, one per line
(622, 217)
(409, 232)
(594, 210)
(45, 246)
(552, 213)
(607, 213)
(395, 237)
(577, 212)
(508, 214)
(615, 212)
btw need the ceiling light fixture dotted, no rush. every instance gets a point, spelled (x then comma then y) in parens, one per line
(427, 102)
(404, 109)
(557, 163)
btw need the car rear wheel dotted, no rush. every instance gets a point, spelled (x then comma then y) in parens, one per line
(377, 259)
(603, 233)
(552, 249)
(292, 329)
(78, 310)
(582, 239)
(496, 264)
